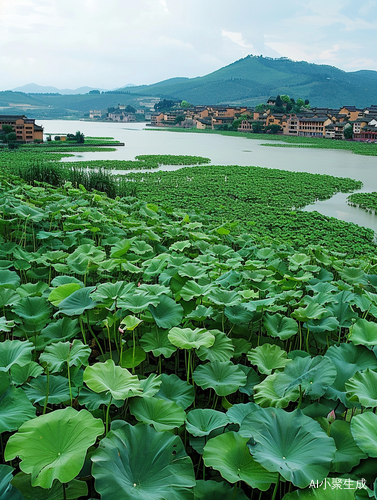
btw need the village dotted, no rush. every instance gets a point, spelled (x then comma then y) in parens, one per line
(347, 122)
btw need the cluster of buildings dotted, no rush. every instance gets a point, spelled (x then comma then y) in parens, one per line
(315, 122)
(121, 114)
(26, 129)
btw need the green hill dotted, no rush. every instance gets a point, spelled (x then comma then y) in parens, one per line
(253, 79)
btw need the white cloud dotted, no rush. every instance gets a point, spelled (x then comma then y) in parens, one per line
(236, 38)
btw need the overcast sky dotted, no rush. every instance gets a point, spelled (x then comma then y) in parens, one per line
(109, 43)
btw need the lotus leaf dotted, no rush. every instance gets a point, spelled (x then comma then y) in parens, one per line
(343, 491)
(364, 431)
(228, 453)
(62, 329)
(33, 310)
(93, 400)
(223, 377)
(158, 342)
(143, 465)
(238, 412)
(107, 377)
(162, 414)
(252, 380)
(62, 292)
(364, 332)
(174, 389)
(132, 357)
(268, 357)
(74, 489)
(14, 352)
(9, 279)
(138, 302)
(57, 390)
(167, 313)
(150, 386)
(313, 375)
(347, 454)
(221, 350)
(63, 354)
(238, 314)
(20, 374)
(78, 302)
(265, 393)
(214, 490)
(289, 443)
(15, 408)
(186, 338)
(53, 446)
(280, 326)
(7, 491)
(362, 387)
(201, 422)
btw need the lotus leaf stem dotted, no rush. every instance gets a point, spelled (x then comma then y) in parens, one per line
(276, 488)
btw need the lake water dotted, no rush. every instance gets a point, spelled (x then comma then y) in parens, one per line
(224, 150)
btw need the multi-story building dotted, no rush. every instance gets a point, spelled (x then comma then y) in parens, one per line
(26, 129)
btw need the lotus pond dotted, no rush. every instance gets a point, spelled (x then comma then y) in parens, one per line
(151, 354)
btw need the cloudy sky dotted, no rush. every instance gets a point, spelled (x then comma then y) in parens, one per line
(109, 43)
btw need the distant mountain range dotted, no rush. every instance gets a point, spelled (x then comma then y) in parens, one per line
(254, 79)
(33, 88)
(249, 81)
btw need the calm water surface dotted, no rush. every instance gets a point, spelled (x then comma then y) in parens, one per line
(224, 150)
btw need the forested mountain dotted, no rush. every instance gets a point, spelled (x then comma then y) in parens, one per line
(253, 79)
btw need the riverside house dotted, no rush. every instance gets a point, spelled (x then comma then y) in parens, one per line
(25, 128)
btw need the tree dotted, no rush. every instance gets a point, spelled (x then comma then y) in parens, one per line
(164, 105)
(80, 138)
(130, 109)
(273, 128)
(285, 99)
(260, 108)
(257, 127)
(348, 131)
(179, 119)
(94, 92)
(185, 104)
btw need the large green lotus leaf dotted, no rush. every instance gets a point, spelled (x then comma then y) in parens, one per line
(108, 294)
(364, 332)
(78, 302)
(138, 463)
(133, 357)
(214, 490)
(221, 350)
(154, 289)
(238, 315)
(33, 310)
(314, 375)
(20, 374)
(93, 400)
(265, 393)
(130, 323)
(150, 386)
(201, 422)
(62, 329)
(228, 453)
(5, 325)
(348, 360)
(120, 248)
(280, 326)
(223, 377)
(201, 313)
(62, 354)
(347, 454)
(107, 377)
(191, 270)
(324, 491)
(268, 357)
(327, 324)
(15, 408)
(362, 387)
(8, 297)
(364, 431)
(63, 280)
(292, 444)
(7, 491)
(191, 289)
(186, 338)
(14, 352)
(167, 313)
(53, 446)
(162, 414)
(74, 489)
(158, 342)
(58, 390)
(174, 389)
(311, 311)
(9, 279)
(138, 302)
(238, 412)
(252, 380)
(62, 292)
(224, 297)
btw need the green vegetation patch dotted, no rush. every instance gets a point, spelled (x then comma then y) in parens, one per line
(366, 201)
